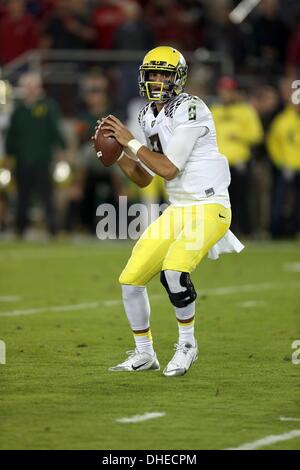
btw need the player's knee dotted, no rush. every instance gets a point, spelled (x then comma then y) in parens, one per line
(179, 287)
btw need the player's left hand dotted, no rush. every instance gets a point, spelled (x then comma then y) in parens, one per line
(115, 128)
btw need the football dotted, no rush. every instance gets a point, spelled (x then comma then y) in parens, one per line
(108, 149)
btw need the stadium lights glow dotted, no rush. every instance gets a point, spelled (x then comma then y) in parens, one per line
(242, 10)
(5, 177)
(62, 172)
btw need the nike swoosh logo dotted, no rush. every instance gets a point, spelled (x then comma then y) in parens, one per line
(138, 367)
(222, 216)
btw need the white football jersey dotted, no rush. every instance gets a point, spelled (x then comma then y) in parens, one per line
(204, 174)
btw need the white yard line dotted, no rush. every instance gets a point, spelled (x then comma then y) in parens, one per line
(112, 302)
(58, 308)
(268, 440)
(10, 298)
(251, 303)
(284, 418)
(292, 267)
(44, 251)
(251, 288)
(140, 418)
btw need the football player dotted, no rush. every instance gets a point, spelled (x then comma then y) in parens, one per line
(180, 146)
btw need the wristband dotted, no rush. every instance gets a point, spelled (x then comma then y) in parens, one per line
(134, 145)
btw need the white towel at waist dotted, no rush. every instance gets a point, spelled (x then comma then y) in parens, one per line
(228, 244)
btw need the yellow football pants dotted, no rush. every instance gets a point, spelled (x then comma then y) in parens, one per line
(178, 240)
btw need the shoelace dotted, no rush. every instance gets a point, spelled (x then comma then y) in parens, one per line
(179, 348)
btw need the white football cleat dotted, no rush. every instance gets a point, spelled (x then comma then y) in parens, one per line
(185, 355)
(137, 362)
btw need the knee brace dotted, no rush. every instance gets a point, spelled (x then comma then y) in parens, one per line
(184, 293)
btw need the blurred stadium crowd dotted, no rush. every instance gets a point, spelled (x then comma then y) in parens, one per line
(244, 69)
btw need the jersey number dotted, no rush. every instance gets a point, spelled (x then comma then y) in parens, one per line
(192, 112)
(155, 143)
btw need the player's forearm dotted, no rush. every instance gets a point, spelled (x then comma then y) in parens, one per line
(135, 172)
(157, 162)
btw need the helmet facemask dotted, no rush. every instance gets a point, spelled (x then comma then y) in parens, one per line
(161, 91)
(155, 90)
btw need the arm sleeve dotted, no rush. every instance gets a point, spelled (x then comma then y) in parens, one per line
(182, 143)
(191, 121)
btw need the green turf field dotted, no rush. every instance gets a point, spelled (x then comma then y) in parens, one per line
(64, 326)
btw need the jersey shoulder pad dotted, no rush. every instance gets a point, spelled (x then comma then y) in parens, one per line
(189, 109)
(143, 113)
(174, 103)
